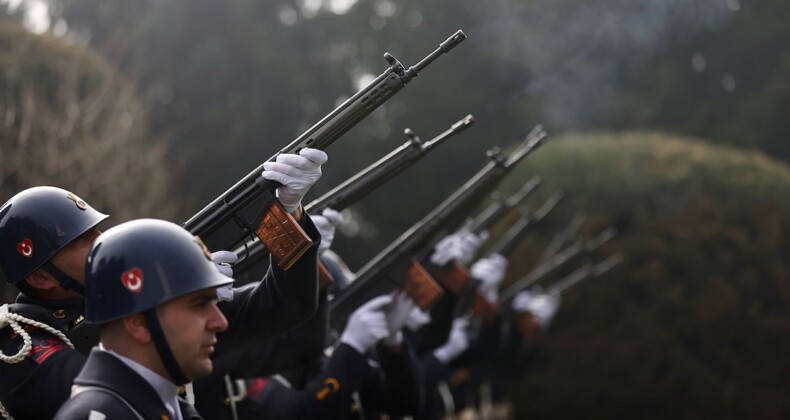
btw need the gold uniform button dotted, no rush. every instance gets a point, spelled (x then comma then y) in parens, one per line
(59, 314)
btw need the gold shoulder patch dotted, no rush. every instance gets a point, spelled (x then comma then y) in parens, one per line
(331, 385)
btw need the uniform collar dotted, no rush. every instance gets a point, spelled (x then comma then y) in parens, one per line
(108, 371)
(167, 390)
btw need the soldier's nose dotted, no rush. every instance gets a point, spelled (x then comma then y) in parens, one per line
(218, 322)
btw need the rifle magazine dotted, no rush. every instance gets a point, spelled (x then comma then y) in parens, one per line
(485, 310)
(282, 236)
(453, 276)
(420, 286)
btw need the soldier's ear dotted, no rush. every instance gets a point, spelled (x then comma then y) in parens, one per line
(41, 280)
(137, 329)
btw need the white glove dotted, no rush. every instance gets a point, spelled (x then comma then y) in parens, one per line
(296, 173)
(543, 307)
(417, 319)
(460, 246)
(521, 301)
(456, 344)
(469, 243)
(367, 325)
(223, 259)
(326, 224)
(397, 315)
(489, 271)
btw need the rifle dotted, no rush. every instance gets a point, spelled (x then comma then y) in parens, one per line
(584, 272)
(353, 190)
(249, 206)
(526, 323)
(500, 206)
(395, 266)
(386, 168)
(559, 239)
(557, 260)
(516, 232)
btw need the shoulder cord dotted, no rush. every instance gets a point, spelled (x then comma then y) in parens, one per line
(5, 413)
(12, 319)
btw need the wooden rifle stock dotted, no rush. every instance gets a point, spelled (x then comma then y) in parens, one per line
(230, 220)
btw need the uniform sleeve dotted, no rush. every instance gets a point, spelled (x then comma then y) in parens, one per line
(282, 300)
(328, 395)
(294, 349)
(485, 342)
(36, 387)
(436, 333)
(397, 387)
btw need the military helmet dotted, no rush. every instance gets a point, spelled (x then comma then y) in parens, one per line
(37, 223)
(139, 265)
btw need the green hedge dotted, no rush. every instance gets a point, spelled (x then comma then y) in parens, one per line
(695, 323)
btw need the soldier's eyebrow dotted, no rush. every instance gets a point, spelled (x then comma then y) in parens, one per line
(203, 296)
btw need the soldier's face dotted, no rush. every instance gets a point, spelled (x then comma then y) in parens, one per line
(191, 324)
(73, 257)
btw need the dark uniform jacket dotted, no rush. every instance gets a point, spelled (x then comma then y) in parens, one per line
(118, 392)
(37, 386)
(296, 349)
(348, 381)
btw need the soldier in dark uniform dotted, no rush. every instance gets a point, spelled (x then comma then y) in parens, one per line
(358, 374)
(292, 351)
(385, 376)
(45, 235)
(472, 341)
(151, 286)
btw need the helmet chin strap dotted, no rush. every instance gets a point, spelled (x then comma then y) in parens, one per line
(63, 279)
(160, 342)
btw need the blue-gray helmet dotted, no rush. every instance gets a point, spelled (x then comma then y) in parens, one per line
(37, 223)
(139, 265)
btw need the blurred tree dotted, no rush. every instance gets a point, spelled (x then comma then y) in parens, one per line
(68, 119)
(695, 322)
(234, 82)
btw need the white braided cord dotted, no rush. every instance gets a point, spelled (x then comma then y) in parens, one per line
(12, 319)
(4, 413)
